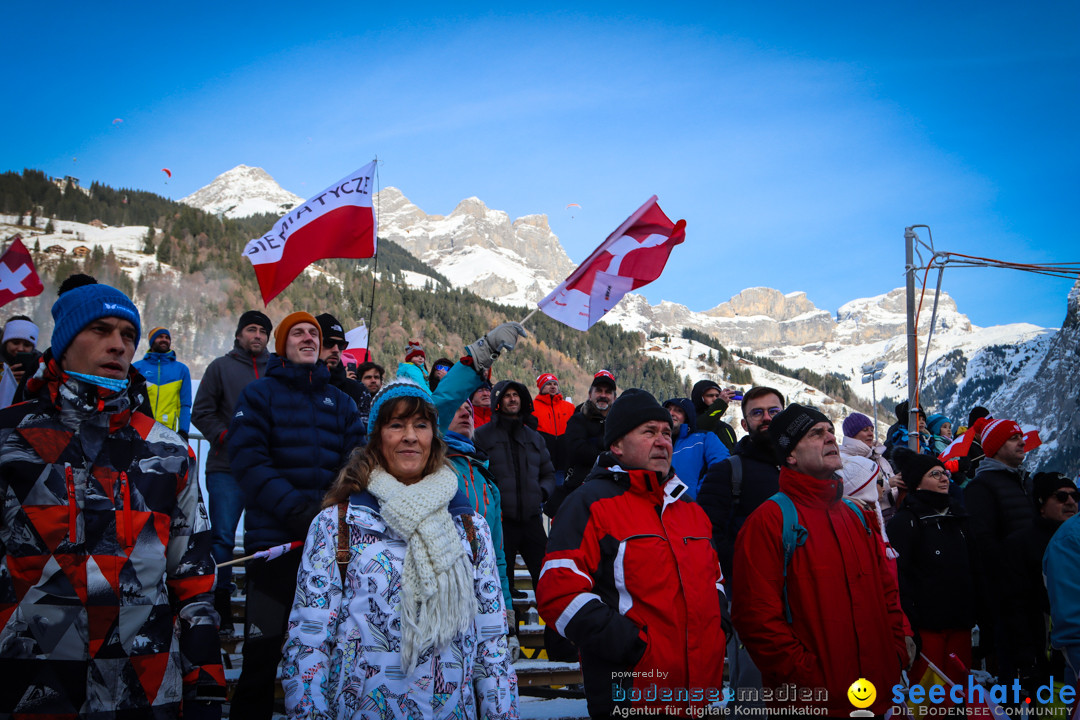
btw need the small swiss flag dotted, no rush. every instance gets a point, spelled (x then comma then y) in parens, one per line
(18, 278)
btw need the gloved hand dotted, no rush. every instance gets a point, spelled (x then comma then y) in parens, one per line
(299, 522)
(912, 650)
(513, 648)
(511, 621)
(486, 349)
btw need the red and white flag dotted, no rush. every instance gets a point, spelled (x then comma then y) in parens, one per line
(336, 223)
(631, 257)
(18, 278)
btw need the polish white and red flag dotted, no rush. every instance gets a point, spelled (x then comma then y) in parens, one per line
(631, 257)
(336, 223)
(18, 278)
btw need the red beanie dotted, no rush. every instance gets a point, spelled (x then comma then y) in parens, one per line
(414, 349)
(996, 433)
(544, 379)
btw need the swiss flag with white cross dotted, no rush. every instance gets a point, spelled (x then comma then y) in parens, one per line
(18, 278)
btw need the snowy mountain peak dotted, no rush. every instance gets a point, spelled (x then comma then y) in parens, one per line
(478, 248)
(243, 191)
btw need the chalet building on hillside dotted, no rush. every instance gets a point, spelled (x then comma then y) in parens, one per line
(56, 249)
(81, 251)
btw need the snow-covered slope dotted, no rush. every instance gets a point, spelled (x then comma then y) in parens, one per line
(241, 192)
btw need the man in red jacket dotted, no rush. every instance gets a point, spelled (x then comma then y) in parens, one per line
(551, 412)
(632, 578)
(835, 617)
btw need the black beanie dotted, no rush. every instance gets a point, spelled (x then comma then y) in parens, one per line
(788, 428)
(913, 467)
(977, 412)
(634, 407)
(254, 317)
(1045, 483)
(331, 328)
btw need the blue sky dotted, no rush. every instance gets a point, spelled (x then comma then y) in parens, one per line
(796, 139)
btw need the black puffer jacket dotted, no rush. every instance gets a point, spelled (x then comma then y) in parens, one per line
(936, 562)
(710, 418)
(518, 456)
(760, 481)
(225, 378)
(1025, 601)
(583, 442)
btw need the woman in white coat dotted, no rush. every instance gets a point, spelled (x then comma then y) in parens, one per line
(417, 627)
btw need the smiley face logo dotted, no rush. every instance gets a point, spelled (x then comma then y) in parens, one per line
(862, 693)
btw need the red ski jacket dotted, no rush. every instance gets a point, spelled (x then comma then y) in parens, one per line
(551, 413)
(632, 578)
(846, 618)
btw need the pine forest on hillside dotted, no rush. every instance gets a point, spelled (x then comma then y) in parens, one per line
(216, 284)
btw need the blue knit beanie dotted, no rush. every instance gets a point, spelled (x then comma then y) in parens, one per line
(399, 387)
(81, 306)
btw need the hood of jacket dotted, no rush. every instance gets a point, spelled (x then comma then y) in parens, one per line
(700, 388)
(160, 358)
(78, 401)
(810, 491)
(523, 392)
(687, 406)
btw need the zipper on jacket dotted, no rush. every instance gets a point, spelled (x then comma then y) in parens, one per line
(73, 509)
(129, 524)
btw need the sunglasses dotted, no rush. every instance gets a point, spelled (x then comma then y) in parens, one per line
(758, 412)
(445, 368)
(337, 343)
(1062, 496)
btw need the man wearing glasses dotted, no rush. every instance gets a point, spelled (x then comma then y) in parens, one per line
(334, 343)
(1025, 596)
(734, 488)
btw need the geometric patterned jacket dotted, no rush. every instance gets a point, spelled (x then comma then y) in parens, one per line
(106, 577)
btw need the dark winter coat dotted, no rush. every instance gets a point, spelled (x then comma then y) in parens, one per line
(291, 433)
(225, 378)
(693, 452)
(760, 481)
(710, 418)
(340, 379)
(998, 500)
(106, 576)
(583, 442)
(936, 564)
(1025, 602)
(518, 458)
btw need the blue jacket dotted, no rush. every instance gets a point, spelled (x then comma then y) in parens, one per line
(1063, 587)
(695, 452)
(479, 488)
(290, 434)
(168, 384)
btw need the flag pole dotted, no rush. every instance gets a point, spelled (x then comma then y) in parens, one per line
(237, 561)
(526, 318)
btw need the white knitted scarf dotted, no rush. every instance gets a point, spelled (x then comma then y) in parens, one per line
(438, 601)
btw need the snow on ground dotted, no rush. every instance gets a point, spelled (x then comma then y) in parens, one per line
(126, 242)
(490, 273)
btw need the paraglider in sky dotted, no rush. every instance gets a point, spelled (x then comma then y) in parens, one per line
(118, 121)
(572, 205)
(167, 171)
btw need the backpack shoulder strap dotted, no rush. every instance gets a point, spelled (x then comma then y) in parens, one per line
(794, 535)
(470, 533)
(858, 513)
(736, 476)
(344, 551)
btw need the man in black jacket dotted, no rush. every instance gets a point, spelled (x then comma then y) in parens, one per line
(522, 467)
(224, 380)
(333, 343)
(999, 502)
(711, 402)
(733, 488)
(584, 438)
(1026, 603)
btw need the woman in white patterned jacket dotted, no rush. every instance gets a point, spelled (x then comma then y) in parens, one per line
(418, 627)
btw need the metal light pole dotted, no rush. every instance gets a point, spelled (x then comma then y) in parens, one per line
(912, 339)
(871, 374)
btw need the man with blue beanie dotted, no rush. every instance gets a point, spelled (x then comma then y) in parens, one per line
(104, 542)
